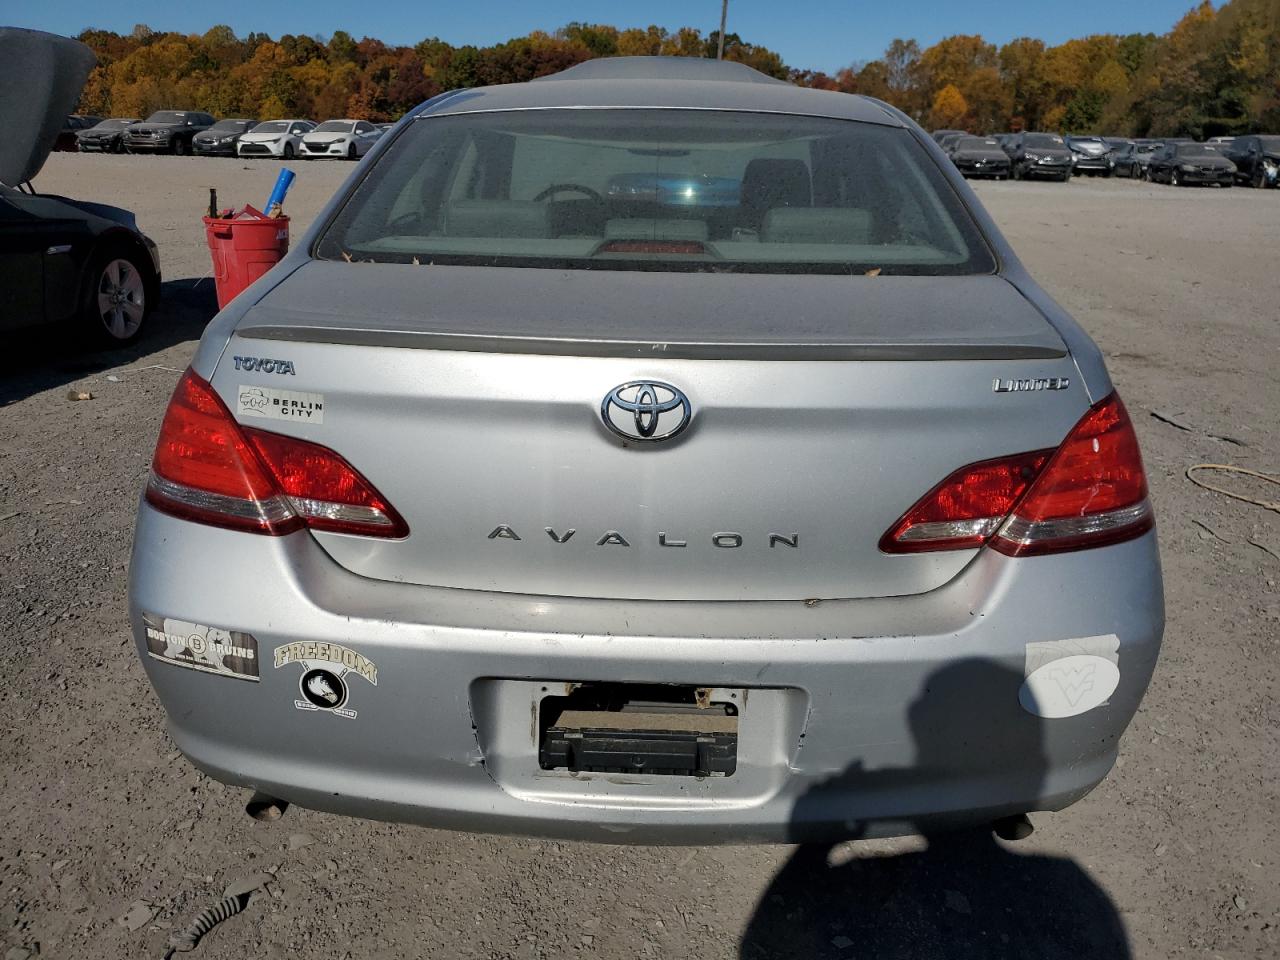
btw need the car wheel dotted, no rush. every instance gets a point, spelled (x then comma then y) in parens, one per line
(1258, 180)
(178, 148)
(117, 301)
(1175, 179)
(1016, 172)
(351, 152)
(288, 151)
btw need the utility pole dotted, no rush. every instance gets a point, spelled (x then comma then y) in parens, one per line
(724, 14)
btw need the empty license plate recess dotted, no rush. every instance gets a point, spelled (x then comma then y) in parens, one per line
(655, 729)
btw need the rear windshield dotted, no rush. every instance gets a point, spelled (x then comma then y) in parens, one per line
(658, 190)
(334, 126)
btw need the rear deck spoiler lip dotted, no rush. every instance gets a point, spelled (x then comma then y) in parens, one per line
(584, 347)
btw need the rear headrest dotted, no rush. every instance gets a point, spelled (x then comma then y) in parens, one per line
(640, 229)
(843, 225)
(497, 218)
(769, 182)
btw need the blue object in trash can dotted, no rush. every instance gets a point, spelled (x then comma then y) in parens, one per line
(283, 183)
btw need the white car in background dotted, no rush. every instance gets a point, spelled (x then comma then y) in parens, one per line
(340, 138)
(275, 138)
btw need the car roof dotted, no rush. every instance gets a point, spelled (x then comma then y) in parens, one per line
(662, 82)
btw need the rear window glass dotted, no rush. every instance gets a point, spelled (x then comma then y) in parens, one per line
(658, 190)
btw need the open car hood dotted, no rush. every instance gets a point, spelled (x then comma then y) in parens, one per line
(41, 76)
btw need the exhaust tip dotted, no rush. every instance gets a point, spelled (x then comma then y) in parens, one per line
(1013, 828)
(264, 808)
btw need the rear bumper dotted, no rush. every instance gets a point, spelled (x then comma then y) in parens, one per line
(864, 718)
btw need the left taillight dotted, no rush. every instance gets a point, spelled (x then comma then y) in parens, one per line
(210, 469)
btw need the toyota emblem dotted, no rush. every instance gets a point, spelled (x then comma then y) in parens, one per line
(647, 410)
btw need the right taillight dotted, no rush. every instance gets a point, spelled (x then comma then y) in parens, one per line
(1092, 492)
(210, 469)
(1089, 492)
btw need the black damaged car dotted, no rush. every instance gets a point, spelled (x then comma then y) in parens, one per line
(62, 261)
(1040, 155)
(104, 137)
(167, 131)
(979, 157)
(1188, 164)
(220, 140)
(1257, 160)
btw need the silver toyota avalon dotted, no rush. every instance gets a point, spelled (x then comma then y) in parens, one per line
(655, 452)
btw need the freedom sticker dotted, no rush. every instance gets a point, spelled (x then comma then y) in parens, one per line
(227, 653)
(272, 404)
(327, 668)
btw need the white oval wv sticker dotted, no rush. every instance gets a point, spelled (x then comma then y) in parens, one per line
(1069, 686)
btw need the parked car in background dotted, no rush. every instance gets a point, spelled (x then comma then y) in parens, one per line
(106, 136)
(274, 138)
(1257, 159)
(348, 139)
(72, 126)
(1040, 155)
(220, 140)
(1190, 164)
(1222, 143)
(1131, 159)
(979, 157)
(815, 572)
(166, 131)
(938, 135)
(1091, 155)
(950, 140)
(384, 127)
(85, 266)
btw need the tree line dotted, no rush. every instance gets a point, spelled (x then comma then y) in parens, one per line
(1215, 72)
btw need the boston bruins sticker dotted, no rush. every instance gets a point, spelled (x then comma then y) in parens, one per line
(327, 673)
(227, 653)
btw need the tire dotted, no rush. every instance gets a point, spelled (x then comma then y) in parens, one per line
(178, 148)
(1175, 178)
(118, 146)
(1257, 179)
(118, 296)
(1016, 172)
(288, 151)
(351, 152)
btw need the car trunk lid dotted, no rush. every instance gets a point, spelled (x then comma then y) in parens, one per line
(822, 408)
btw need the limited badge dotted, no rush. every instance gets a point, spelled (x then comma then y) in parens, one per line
(327, 670)
(272, 404)
(227, 653)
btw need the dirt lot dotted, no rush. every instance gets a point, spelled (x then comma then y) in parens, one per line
(108, 839)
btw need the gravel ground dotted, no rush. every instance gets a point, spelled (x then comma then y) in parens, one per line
(109, 839)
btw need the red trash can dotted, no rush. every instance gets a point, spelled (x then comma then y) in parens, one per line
(243, 250)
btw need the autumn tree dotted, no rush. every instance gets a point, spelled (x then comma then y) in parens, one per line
(950, 109)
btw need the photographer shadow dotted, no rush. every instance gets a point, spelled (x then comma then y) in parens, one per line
(965, 896)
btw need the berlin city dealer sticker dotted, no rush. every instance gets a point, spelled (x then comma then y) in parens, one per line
(327, 675)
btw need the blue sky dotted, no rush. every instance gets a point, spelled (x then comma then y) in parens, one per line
(820, 34)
